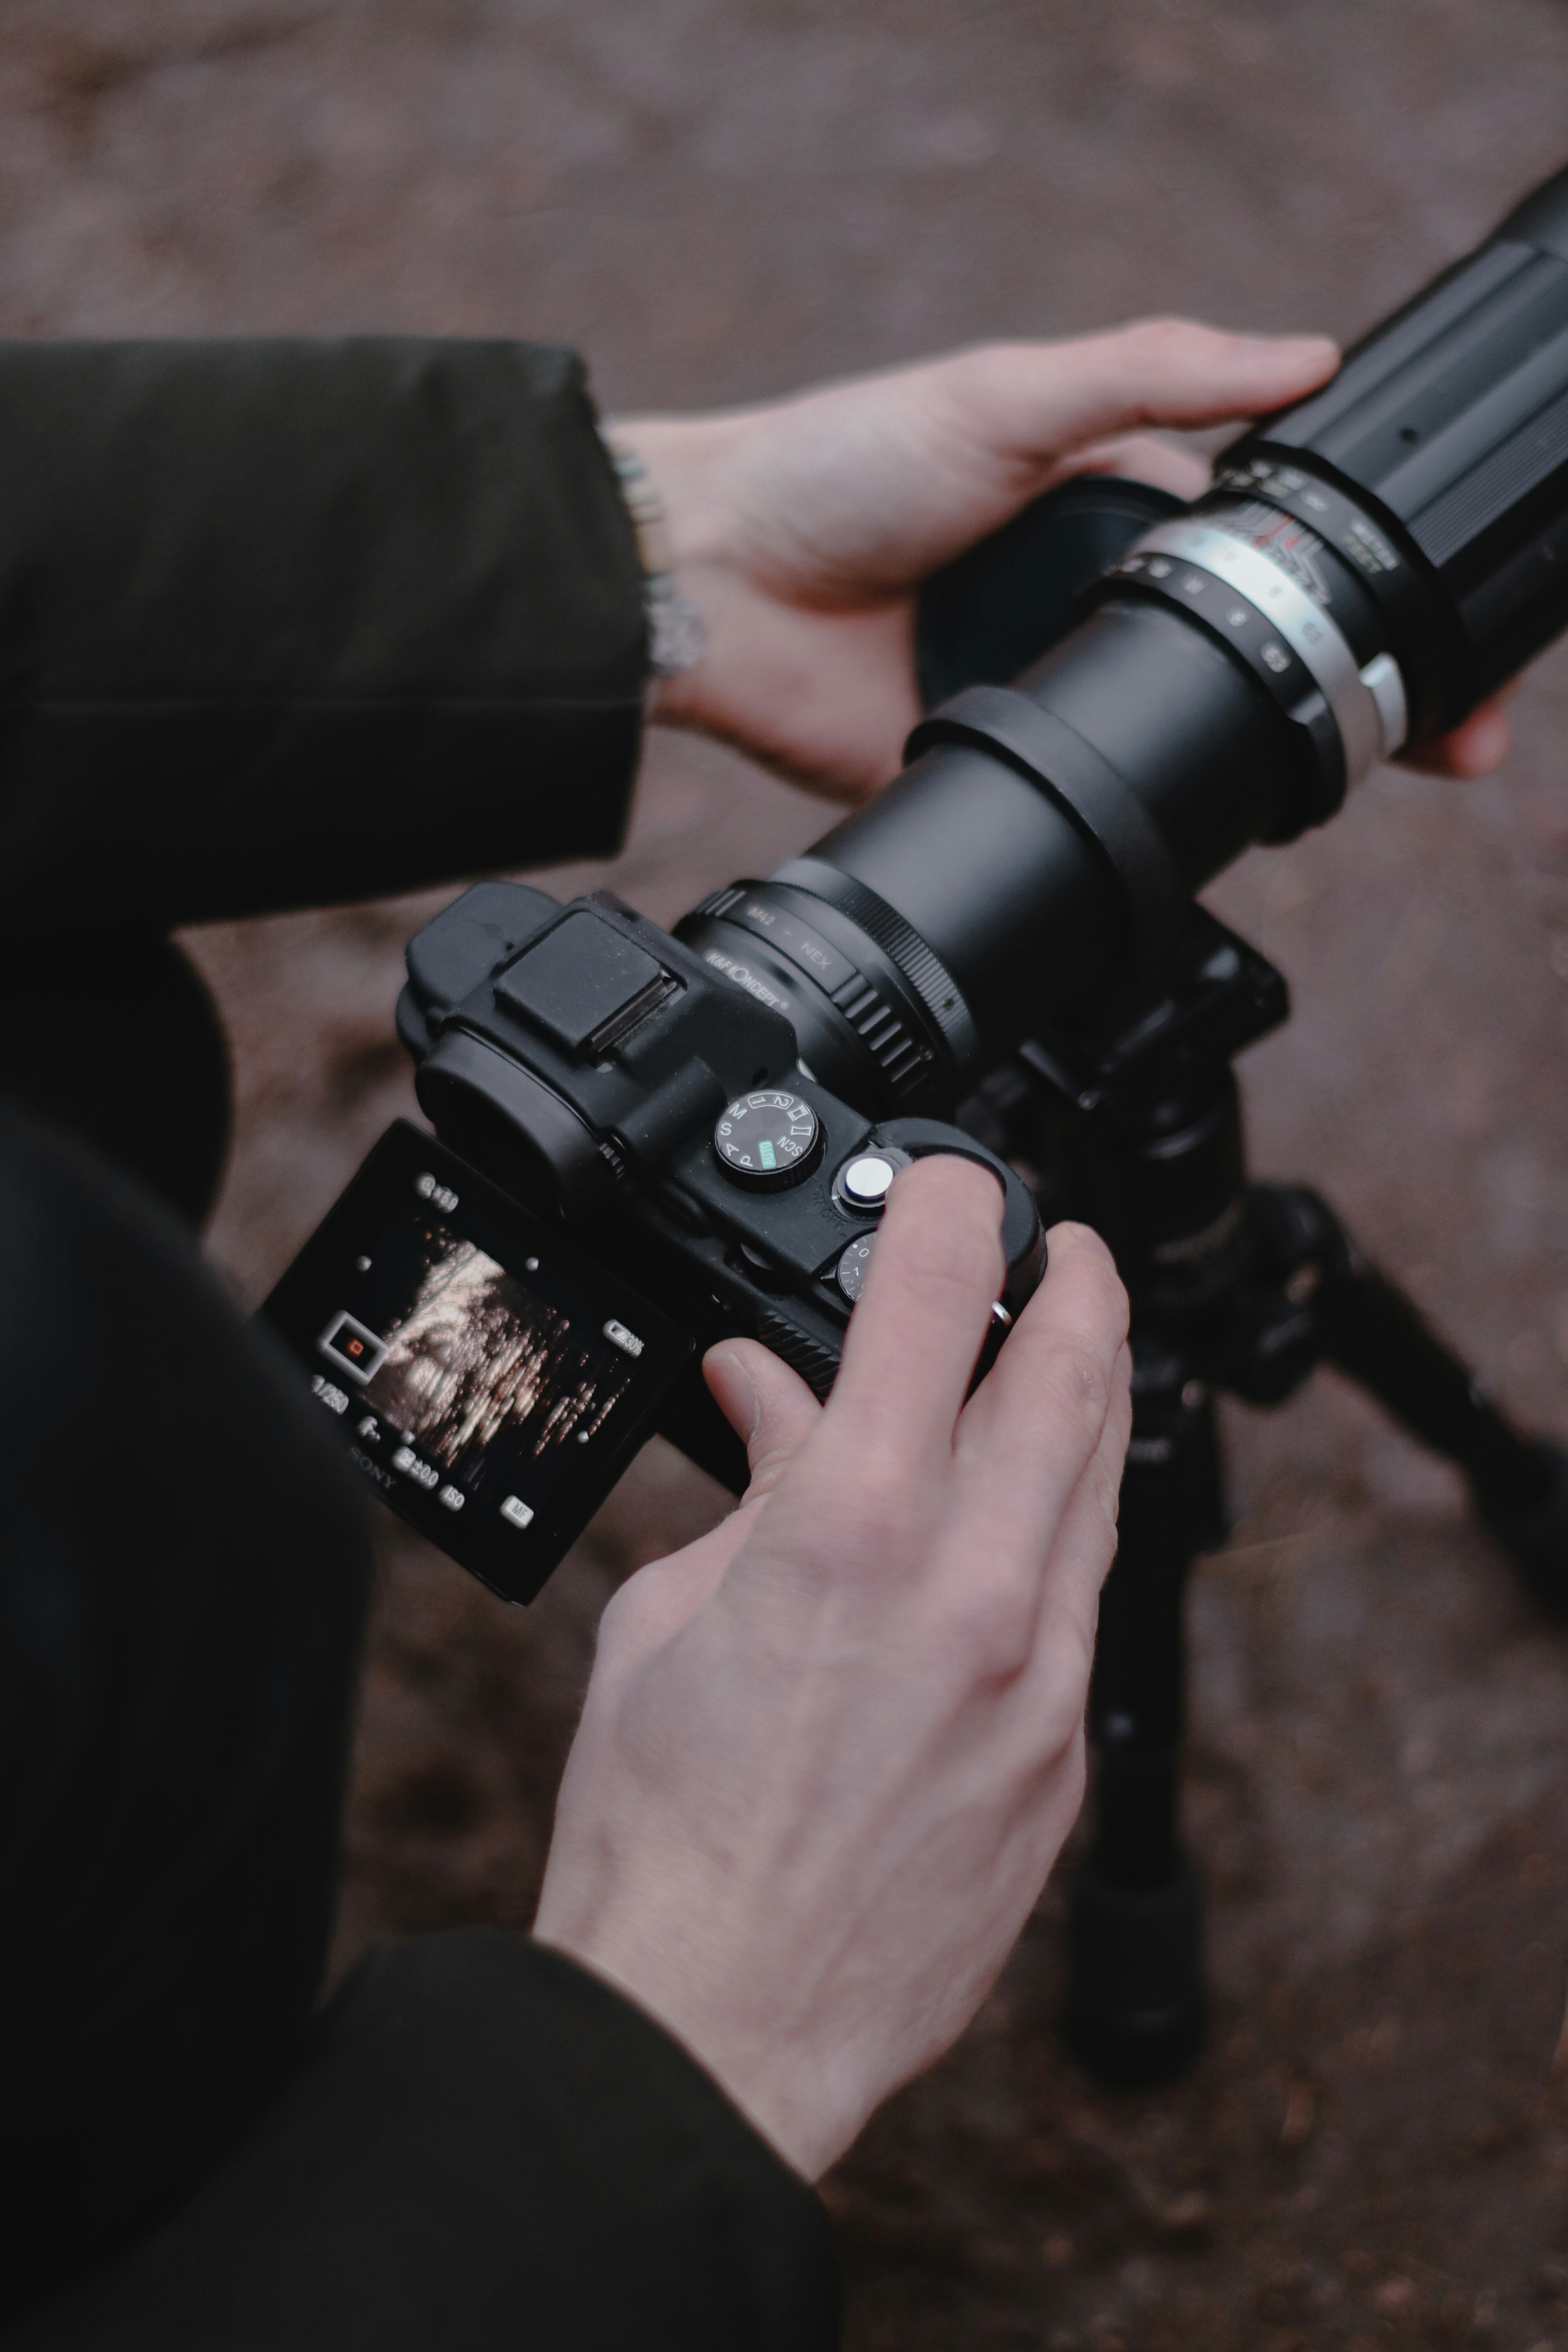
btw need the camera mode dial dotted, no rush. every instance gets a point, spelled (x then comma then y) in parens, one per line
(767, 1140)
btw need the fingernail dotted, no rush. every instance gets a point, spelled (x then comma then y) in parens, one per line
(1487, 741)
(738, 1371)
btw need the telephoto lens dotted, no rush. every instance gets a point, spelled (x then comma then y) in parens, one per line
(1367, 567)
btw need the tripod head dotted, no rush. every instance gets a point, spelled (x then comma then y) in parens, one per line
(1131, 1120)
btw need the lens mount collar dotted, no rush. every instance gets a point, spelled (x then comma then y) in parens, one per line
(925, 977)
(1368, 705)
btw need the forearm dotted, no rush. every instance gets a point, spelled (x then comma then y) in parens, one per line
(291, 621)
(485, 2149)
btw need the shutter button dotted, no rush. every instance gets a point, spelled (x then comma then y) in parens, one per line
(865, 1181)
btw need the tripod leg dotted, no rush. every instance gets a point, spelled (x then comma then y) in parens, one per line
(1135, 2004)
(1370, 1330)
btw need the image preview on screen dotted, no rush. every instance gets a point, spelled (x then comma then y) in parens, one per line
(475, 1353)
(466, 1355)
(490, 1378)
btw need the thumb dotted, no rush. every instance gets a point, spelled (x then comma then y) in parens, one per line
(764, 1402)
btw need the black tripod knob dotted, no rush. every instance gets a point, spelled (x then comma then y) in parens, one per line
(1136, 2009)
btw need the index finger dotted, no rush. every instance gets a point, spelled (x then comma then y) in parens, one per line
(1035, 401)
(915, 1335)
(1037, 1418)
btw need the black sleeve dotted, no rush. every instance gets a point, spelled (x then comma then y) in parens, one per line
(487, 2151)
(291, 621)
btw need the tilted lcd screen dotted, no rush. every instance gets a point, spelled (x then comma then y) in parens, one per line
(490, 1381)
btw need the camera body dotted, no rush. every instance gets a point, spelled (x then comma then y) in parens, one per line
(629, 1164)
(602, 1073)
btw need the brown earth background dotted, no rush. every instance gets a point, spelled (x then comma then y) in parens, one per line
(719, 199)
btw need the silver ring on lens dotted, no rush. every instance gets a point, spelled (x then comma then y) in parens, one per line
(1368, 705)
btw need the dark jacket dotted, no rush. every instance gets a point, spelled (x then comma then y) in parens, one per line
(282, 623)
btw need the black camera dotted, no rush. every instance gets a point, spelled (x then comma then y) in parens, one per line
(634, 1163)
(650, 1143)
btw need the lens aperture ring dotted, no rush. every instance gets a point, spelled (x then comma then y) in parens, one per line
(1367, 705)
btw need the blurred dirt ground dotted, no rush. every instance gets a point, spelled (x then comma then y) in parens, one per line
(721, 198)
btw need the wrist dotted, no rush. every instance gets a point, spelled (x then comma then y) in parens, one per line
(656, 485)
(765, 2081)
(668, 1947)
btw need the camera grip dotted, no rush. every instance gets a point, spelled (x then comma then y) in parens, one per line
(1022, 1237)
(803, 1335)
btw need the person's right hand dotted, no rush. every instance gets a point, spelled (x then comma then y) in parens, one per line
(831, 1752)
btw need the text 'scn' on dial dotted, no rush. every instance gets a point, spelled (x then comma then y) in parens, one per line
(767, 1140)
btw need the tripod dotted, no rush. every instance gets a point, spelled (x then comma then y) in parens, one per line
(1133, 1125)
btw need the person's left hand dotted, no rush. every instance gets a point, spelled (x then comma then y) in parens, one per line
(801, 531)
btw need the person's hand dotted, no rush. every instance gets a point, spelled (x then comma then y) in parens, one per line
(829, 1752)
(802, 531)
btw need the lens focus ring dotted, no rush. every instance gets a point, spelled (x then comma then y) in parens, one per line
(1368, 705)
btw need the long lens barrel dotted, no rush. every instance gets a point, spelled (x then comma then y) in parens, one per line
(1368, 566)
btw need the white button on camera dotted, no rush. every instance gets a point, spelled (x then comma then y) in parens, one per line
(516, 1512)
(868, 1181)
(865, 1181)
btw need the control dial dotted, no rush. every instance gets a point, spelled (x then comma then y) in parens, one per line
(768, 1140)
(851, 1271)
